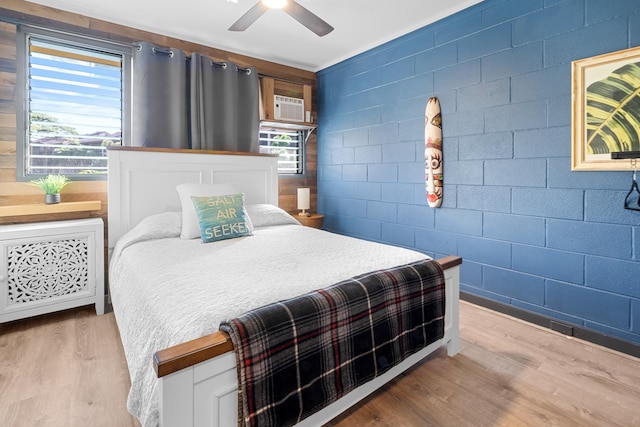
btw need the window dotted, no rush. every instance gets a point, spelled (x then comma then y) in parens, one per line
(288, 144)
(74, 103)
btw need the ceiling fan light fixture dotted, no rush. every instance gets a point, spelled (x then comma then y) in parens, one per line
(275, 4)
(291, 7)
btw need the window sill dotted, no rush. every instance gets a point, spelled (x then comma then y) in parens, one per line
(41, 208)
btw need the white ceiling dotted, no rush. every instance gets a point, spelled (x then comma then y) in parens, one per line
(275, 36)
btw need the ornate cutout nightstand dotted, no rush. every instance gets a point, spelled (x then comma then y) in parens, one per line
(51, 266)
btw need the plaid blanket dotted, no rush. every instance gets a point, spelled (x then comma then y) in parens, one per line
(297, 356)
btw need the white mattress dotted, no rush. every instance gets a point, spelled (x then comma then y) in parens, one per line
(166, 290)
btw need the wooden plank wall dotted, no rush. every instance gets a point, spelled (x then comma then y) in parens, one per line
(14, 193)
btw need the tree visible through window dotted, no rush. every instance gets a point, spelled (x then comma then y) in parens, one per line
(287, 144)
(74, 104)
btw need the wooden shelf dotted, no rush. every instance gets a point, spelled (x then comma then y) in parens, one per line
(42, 208)
(272, 86)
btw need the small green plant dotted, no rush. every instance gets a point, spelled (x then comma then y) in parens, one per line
(51, 184)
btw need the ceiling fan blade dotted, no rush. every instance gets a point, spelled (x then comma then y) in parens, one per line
(249, 17)
(307, 18)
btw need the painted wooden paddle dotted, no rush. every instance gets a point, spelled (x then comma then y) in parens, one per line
(433, 152)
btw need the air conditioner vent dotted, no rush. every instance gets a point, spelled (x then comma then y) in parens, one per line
(288, 109)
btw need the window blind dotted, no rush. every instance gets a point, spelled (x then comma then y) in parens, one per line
(74, 107)
(287, 144)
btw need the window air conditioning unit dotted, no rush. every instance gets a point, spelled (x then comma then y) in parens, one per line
(288, 109)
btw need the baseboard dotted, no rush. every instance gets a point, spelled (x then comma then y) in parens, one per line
(565, 328)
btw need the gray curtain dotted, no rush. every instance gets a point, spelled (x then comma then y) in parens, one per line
(181, 102)
(224, 106)
(160, 97)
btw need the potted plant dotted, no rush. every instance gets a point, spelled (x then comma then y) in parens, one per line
(51, 185)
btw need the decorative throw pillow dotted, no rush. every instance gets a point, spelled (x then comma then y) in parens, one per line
(221, 217)
(190, 226)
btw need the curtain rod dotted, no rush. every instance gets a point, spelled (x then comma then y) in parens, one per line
(169, 52)
(223, 64)
(119, 43)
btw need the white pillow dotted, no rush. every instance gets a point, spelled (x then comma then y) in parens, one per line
(264, 215)
(190, 223)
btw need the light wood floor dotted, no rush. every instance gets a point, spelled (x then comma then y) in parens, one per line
(68, 369)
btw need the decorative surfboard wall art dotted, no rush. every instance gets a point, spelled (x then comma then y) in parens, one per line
(433, 152)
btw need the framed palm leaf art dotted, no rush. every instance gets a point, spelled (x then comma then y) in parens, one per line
(606, 110)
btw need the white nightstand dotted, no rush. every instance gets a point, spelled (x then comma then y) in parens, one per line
(51, 266)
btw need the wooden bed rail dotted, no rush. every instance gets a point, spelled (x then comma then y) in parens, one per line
(449, 261)
(187, 354)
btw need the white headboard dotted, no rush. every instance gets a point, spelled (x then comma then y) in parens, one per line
(142, 181)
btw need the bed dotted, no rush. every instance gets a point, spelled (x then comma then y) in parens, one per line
(183, 368)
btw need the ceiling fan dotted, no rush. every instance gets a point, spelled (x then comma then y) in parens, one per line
(291, 7)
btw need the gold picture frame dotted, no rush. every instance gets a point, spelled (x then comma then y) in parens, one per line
(605, 110)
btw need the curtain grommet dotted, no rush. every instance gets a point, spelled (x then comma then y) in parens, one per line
(168, 52)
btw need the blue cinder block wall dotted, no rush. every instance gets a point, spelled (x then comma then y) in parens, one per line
(533, 234)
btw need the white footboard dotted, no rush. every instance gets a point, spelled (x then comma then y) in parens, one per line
(205, 394)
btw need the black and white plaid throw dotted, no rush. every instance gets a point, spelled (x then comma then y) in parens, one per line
(297, 356)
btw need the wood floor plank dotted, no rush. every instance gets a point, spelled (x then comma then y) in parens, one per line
(511, 373)
(576, 375)
(63, 369)
(68, 369)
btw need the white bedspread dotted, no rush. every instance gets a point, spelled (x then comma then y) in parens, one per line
(166, 290)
